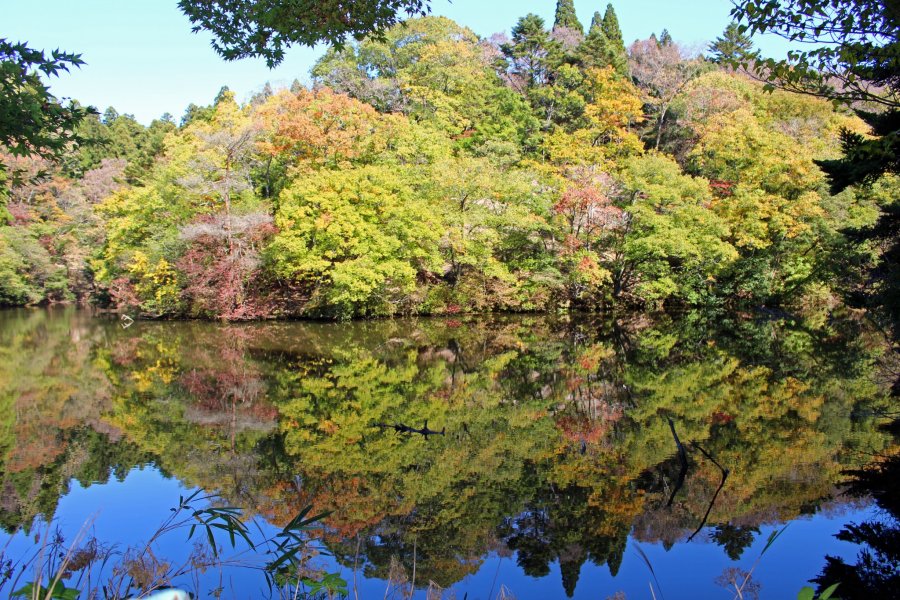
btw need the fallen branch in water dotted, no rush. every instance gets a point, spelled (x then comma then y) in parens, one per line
(682, 457)
(401, 428)
(725, 473)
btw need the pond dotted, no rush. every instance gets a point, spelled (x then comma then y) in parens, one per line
(475, 457)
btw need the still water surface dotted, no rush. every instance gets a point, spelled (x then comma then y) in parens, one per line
(527, 456)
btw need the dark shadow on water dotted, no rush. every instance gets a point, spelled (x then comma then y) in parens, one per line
(876, 572)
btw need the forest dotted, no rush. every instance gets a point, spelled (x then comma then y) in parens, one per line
(427, 171)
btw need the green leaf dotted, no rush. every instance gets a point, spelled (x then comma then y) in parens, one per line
(828, 592)
(66, 594)
(212, 542)
(59, 591)
(774, 536)
(28, 591)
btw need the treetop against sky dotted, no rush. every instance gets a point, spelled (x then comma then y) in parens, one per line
(143, 59)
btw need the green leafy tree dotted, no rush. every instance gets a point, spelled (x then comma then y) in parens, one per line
(855, 60)
(33, 122)
(675, 246)
(561, 102)
(853, 56)
(370, 70)
(356, 239)
(118, 136)
(605, 132)
(494, 222)
(774, 197)
(435, 72)
(219, 171)
(194, 112)
(246, 28)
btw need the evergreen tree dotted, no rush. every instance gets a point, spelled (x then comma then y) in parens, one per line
(611, 27)
(224, 93)
(603, 45)
(194, 112)
(531, 52)
(731, 46)
(596, 22)
(566, 16)
(665, 39)
(597, 51)
(262, 95)
(110, 115)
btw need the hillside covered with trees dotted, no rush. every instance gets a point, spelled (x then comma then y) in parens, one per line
(429, 171)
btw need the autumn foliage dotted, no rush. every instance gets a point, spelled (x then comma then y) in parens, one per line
(432, 172)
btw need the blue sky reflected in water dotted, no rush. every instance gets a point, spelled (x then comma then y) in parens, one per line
(128, 512)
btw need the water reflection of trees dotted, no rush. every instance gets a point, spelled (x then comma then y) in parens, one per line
(557, 442)
(876, 572)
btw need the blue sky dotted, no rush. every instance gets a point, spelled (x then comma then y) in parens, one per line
(143, 59)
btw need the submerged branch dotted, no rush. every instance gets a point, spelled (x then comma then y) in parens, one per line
(682, 457)
(725, 473)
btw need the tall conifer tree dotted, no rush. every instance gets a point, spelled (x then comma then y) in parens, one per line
(596, 23)
(566, 16)
(603, 45)
(611, 27)
(732, 45)
(665, 38)
(531, 52)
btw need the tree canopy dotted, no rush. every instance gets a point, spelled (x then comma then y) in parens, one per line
(850, 55)
(33, 122)
(245, 28)
(732, 46)
(430, 171)
(566, 18)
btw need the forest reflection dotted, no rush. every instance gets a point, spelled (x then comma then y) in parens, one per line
(556, 442)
